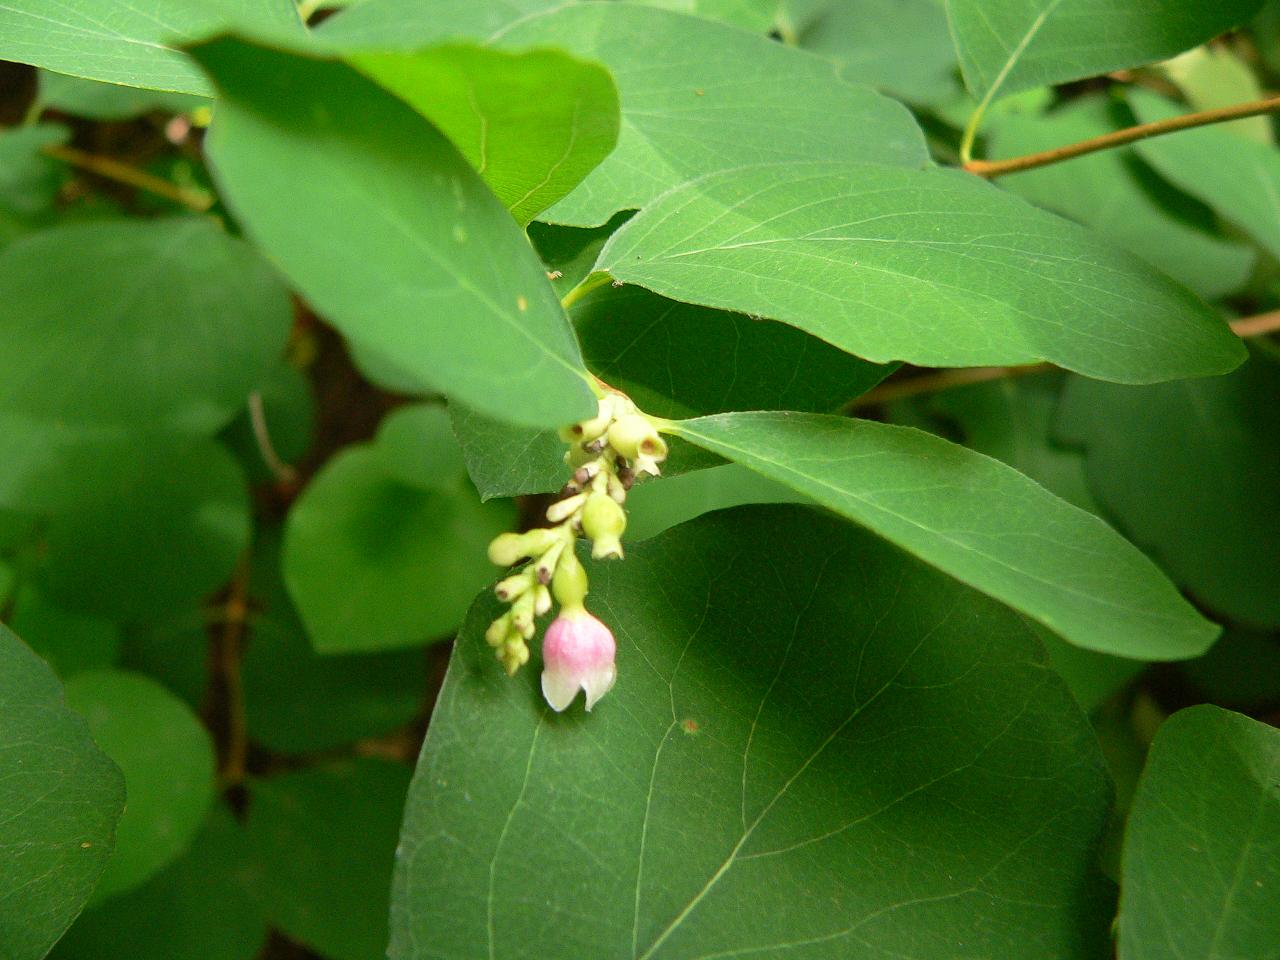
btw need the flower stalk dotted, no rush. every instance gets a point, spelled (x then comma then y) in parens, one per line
(607, 454)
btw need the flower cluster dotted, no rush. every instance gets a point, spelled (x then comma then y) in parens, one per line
(607, 454)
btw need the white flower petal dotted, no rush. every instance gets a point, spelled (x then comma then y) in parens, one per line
(559, 688)
(598, 682)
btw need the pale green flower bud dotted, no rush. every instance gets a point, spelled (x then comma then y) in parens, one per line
(510, 588)
(541, 600)
(603, 520)
(570, 581)
(546, 566)
(562, 510)
(497, 633)
(509, 548)
(634, 437)
(522, 615)
(514, 654)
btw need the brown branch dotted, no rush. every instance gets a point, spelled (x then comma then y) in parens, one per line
(1119, 138)
(229, 652)
(1245, 327)
(112, 169)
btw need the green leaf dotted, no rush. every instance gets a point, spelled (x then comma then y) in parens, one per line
(504, 460)
(816, 745)
(69, 642)
(1204, 836)
(1011, 45)
(411, 25)
(1215, 77)
(678, 360)
(974, 518)
(1187, 469)
(297, 701)
(29, 180)
(1011, 420)
(324, 841)
(108, 101)
(533, 124)
(168, 766)
(1116, 195)
(1237, 177)
(686, 114)
(199, 908)
(374, 564)
(416, 447)
(757, 15)
(60, 799)
(658, 505)
(159, 534)
(929, 266)
(90, 331)
(324, 168)
(134, 46)
(900, 46)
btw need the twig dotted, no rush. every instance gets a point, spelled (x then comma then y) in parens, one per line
(284, 474)
(112, 169)
(1245, 327)
(230, 652)
(1119, 138)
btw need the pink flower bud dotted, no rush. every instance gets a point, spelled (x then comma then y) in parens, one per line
(577, 654)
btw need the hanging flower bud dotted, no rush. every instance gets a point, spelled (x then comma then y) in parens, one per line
(577, 654)
(634, 436)
(570, 581)
(603, 520)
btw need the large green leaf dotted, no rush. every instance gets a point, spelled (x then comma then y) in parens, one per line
(60, 798)
(29, 180)
(386, 228)
(164, 324)
(1188, 471)
(413, 25)
(1011, 45)
(1112, 192)
(133, 45)
(161, 532)
(900, 46)
(532, 124)
(199, 908)
(1202, 848)
(698, 97)
(1239, 178)
(975, 518)
(69, 642)
(678, 360)
(324, 840)
(108, 101)
(816, 747)
(297, 701)
(374, 564)
(168, 765)
(930, 266)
